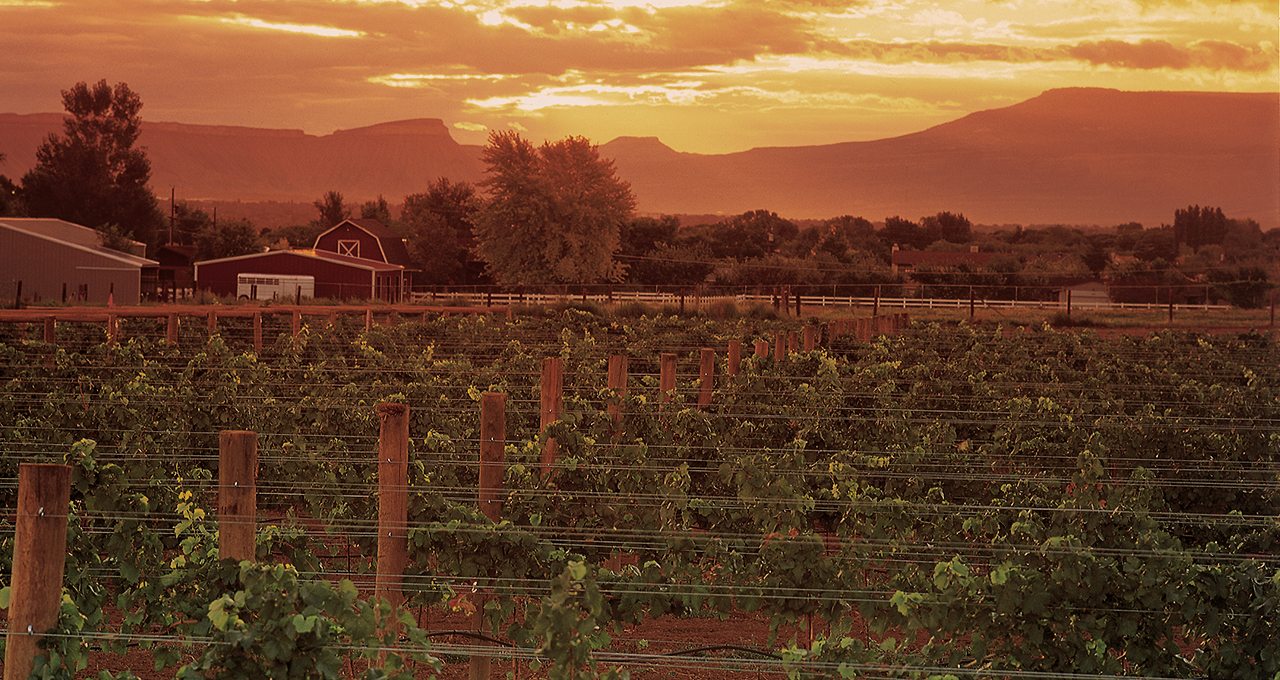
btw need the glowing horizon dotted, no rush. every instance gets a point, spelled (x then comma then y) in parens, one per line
(703, 75)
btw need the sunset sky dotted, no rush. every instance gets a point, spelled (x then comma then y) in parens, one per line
(704, 75)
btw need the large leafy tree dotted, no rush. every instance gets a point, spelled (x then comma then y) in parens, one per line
(93, 173)
(553, 213)
(441, 221)
(332, 209)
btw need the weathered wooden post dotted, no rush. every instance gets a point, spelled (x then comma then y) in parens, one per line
(493, 435)
(113, 330)
(257, 332)
(735, 358)
(393, 501)
(666, 377)
(295, 323)
(213, 323)
(762, 349)
(171, 329)
(779, 346)
(50, 330)
(1068, 303)
(875, 306)
(706, 376)
(810, 338)
(1170, 304)
(617, 381)
(793, 342)
(368, 319)
(39, 558)
(552, 404)
(237, 494)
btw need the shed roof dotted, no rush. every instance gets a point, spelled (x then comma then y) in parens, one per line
(74, 236)
(324, 255)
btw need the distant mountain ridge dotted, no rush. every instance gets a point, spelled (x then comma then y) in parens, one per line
(1081, 155)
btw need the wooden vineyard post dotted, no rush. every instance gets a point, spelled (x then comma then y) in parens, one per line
(493, 436)
(171, 329)
(393, 501)
(213, 323)
(295, 323)
(793, 342)
(368, 319)
(39, 557)
(50, 330)
(735, 358)
(257, 332)
(237, 494)
(666, 377)
(762, 349)
(113, 330)
(552, 404)
(972, 308)
(810, 338)
(618, 383)
(779, 346)
(706, 376)
(825, 333)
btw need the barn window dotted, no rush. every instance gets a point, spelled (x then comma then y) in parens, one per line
(349, 247)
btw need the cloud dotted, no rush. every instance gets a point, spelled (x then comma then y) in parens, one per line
(1213, 55)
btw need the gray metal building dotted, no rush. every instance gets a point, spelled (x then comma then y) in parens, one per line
(52, 258)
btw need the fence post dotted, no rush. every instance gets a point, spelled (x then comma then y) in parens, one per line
(171, 329)
(113, 330)
(39, 557)
(706, 376)
(793, 342)
(50, 330)
(617, 383)
(779, 346)
(735, 357)
(393, 501)
(875, 306)
(257, 332)
(762, 349)
(368, 319)
(1170, 304)
(237, 494)
(295, 323)
(666, 377)
(798, 314)
(493, 435)
(810, 342)
(971, 303)
(213, 323)
(1068, 303)
(552, 403)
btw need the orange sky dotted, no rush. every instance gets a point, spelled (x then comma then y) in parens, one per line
(704, 75)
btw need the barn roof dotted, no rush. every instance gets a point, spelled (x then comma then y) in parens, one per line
(73, 236)
(393, 247)
(357, 262)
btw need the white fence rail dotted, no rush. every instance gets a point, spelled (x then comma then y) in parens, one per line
(693, 301)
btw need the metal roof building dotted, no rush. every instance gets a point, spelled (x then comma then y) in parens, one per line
(52, 260)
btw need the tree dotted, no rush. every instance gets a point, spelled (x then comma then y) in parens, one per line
(376, 210)
(553, 213)
(441, 222)
(237, 237)
(92, 174)
(1198, 226)
(332, 210)
(904, 233)
(950, 227)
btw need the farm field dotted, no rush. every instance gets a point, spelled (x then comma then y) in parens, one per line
(945, 500)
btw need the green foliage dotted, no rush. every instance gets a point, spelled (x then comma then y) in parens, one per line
(552, 214)
(93, 174)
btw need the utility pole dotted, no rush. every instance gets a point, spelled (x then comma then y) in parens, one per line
(172, 215)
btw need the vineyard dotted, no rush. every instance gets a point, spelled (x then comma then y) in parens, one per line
(590, 495)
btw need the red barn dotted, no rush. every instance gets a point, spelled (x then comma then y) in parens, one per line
(336, 276)
(368, 239)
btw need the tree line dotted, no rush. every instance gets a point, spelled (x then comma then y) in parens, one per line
(557, 213)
